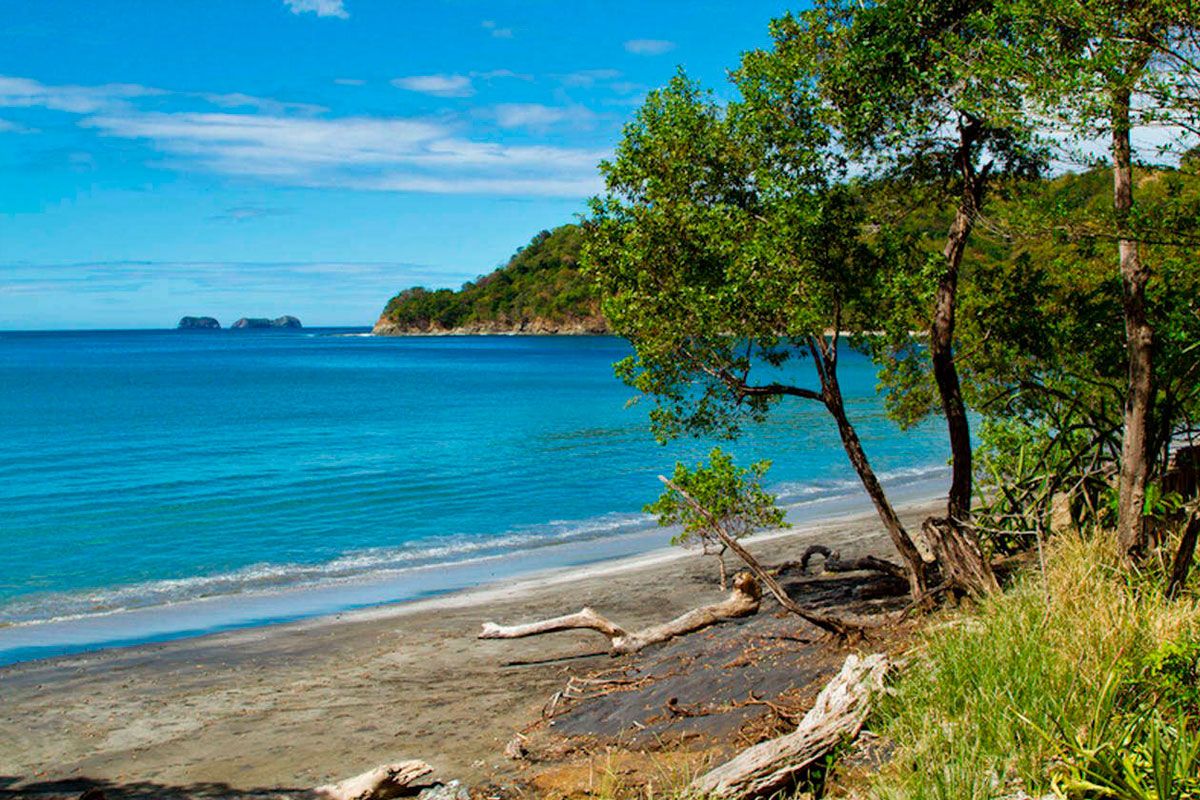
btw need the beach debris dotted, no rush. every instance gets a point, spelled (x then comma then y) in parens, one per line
(381, 783)
(515, 749)
(843, 629)
(833, 562)
(743, 600)
(773, 765)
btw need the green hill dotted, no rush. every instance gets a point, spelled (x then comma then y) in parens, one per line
(539, 290)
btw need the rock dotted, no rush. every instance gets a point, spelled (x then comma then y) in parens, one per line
(258, 323)
(198, 323)
(445, 791)
(246, 323)
(381, 783)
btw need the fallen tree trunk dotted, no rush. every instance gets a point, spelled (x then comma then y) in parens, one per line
(773, 765)
(387, 781)
(742, 601)
(835, 563)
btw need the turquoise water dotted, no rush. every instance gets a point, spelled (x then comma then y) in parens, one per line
(267, 475)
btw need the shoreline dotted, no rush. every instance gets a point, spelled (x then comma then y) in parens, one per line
(300, 703)
(95, 631)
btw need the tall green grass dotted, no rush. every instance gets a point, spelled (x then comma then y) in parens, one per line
(991, 696)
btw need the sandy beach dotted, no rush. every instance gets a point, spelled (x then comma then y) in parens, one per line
(282, 708)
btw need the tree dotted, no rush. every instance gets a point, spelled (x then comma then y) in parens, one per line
(727, 247)
(1104, 68)
(733, 498)
(908, 85)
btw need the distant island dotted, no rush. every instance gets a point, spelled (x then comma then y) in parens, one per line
(539, 291)
(286, 321)
(198, 324)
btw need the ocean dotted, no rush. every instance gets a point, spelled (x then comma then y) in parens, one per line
(156, 484)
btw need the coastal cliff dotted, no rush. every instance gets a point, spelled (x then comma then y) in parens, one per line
(539, 291)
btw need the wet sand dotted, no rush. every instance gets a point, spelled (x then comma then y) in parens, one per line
(274, 710)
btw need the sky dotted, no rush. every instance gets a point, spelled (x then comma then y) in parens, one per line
(311, 157)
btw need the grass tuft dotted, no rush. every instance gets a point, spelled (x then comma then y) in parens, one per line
(970, 714)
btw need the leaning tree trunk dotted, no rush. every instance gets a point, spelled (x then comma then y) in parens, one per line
(1139, 344)
(831, 391)
(954, 546)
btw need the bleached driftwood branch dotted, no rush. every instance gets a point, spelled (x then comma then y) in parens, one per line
(742, 601)
(389, 780)
(839, 713)
(841, 628)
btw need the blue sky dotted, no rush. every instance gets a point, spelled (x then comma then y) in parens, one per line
(261, 157)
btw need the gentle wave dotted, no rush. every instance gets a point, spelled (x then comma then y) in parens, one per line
(358, 565)
(382, 561)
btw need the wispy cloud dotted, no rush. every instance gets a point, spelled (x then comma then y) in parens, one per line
(299, 145)
(497, 31)
(495, 74)
(649, 47)
(349, 81)
(246, 213)
(8, 126)
(587, 77)
(536, 116)
(437, 85)
(264, 104)
(322, 8)
(26, 93)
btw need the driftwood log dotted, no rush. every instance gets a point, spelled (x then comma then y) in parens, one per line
(833, 562)
(742, 601)
(773, 765)
(381, 783)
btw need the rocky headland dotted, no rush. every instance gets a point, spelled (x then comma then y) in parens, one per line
(540, 291)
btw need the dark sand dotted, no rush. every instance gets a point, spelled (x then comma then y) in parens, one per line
(272, 711)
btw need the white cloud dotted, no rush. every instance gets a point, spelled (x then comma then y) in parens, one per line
(536, 116)
(497, 31)
(437, 85)
(26, 93)
(587, 77)
(357, 152)
(649, 47)
(8, 126)
(297, 144)
(264, 104)
(322, 8)
(494, 74)
(528, 115)
(349, 81)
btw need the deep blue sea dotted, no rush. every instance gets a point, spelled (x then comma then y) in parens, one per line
(160, 483)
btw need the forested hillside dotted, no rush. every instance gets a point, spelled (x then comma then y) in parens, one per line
(539, 290)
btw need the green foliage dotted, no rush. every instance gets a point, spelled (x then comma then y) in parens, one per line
(732, 496)
(1129, 755)
(724, 246)
(1076, 673)
(541, 282)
